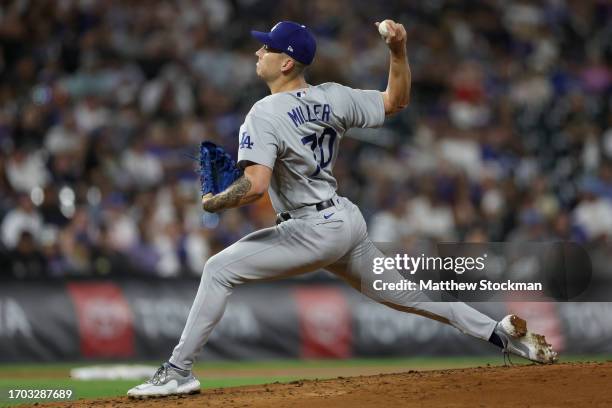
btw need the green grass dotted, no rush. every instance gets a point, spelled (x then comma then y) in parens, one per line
(420, 362)
(49, 376)
(111, 388)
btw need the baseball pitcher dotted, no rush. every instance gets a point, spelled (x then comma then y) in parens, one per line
(287, 146)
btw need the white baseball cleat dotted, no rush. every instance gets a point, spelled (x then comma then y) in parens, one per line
(519, 341)
(167, 380)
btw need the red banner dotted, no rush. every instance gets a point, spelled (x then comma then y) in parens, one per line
(104, 319)
(325, 322)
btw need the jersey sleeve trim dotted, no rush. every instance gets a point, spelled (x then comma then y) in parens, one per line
(383, 115)
(244, 163)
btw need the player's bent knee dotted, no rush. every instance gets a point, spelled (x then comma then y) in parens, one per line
(215, 270)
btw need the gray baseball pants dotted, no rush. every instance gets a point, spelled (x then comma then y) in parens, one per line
(307, 242)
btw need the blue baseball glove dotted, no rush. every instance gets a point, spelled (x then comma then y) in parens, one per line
(217, 169)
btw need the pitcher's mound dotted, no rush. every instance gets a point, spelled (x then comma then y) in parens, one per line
(562, 385)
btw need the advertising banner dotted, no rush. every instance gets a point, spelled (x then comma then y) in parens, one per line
(137, 320)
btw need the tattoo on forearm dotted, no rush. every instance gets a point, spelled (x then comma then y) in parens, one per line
(230, 197)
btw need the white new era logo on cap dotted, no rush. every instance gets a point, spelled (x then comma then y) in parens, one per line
(290, 48)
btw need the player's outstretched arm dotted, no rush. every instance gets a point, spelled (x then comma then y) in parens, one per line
(397, 94)
(251, 186)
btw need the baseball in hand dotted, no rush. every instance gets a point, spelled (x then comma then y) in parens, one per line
(383, 29)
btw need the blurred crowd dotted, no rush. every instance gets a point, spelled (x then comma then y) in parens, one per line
(508, 136)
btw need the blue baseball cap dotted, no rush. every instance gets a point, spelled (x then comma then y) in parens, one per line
(291, 38)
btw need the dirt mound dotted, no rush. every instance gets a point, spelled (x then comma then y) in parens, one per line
(560, 385)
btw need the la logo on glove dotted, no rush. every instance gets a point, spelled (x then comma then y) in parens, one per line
(245, 142)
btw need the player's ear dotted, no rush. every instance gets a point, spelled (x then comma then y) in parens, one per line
(287, 65)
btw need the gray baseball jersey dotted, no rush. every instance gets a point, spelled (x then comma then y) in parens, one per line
(298, 133)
